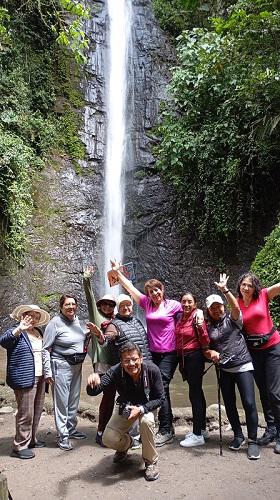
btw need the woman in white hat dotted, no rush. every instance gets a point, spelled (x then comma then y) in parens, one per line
(25, 375)
(235, 365)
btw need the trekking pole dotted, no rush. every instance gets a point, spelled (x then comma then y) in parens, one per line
(219, 408)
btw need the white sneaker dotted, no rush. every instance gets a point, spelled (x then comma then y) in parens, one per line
(204, 433)
(192, 440)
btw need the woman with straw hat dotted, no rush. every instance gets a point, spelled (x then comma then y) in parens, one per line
(25, 375)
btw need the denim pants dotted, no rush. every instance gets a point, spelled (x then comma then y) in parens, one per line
(167, 363)
(267, 377)
(192, 368)
(245, 383)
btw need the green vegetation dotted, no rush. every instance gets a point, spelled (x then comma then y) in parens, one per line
(174, 16)
(41, 43)
(219, 137)
(267, 267)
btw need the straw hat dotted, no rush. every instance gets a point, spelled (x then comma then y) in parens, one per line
(20, 310)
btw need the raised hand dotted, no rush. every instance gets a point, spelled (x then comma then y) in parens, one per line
(222, 285)
(26, 323)
(88, 271)
(115, 265)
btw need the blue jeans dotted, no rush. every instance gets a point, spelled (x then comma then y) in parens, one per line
(167, 363)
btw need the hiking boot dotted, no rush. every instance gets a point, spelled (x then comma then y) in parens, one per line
(253, 452)
(77, 435)
(119, 457)
(24, 454)
(192, 440)
(162, 439)
(268, 436)
(151, 472)
(99, 441)
(64, 444)
(236, 443)
(38, 444)
(277, 446)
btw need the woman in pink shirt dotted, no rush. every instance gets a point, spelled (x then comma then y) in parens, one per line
(161, 314)
(191, 339)
(263, 340)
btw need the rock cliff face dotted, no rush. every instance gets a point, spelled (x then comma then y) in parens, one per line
(65, 232)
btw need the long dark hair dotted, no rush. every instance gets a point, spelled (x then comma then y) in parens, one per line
(191, 294)
(255, 282)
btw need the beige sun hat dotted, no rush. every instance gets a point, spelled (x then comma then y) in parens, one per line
(20, 310)
(106, 298)
(123, 298)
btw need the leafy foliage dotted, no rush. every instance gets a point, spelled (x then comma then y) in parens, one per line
(34, 72)
(219, 141)
(267, 266)
(174, 16)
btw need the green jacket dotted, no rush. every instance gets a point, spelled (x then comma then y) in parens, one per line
(98, 353)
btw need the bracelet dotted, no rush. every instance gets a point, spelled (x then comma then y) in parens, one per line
(226, 291)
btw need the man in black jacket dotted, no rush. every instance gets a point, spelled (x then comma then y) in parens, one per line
(141, 392)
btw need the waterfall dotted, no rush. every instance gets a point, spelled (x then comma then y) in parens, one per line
(120, 14)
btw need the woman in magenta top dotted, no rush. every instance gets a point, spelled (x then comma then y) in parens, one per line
(263, 340)
(161, 314)
(191, 338)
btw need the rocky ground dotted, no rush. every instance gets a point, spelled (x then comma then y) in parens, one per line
(88, 471)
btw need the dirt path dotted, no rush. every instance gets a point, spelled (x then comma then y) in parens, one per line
(87, 471)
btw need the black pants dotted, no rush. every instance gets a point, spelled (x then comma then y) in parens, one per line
(267, 376)
(167, 363)
(192, 368)
(245, 384)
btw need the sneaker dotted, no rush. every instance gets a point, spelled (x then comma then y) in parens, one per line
(99, 441)
(136, 443)
(77, 435)
(151, 472)
(24, 454)
(204, 433)
(236, 443)
(119, 457)
(192, 440)
(162, 439)
(38, 444)
(277, 446)
(268, 436)
(253, 451)
(64, 444)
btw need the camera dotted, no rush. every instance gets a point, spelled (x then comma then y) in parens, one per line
(124, 409)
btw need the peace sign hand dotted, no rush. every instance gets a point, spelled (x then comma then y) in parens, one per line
(222, 285)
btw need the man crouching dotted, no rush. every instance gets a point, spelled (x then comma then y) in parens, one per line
(140, 393)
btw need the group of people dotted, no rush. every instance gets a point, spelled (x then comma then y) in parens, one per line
(139, 365)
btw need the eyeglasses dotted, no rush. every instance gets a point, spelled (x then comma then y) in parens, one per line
(109, 304)
(130, 361)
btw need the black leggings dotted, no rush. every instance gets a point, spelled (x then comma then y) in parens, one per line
(267, 376)
(245, 384)
(192, 368)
